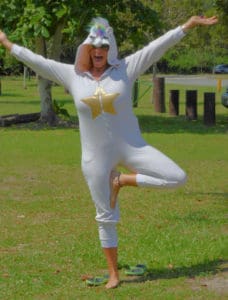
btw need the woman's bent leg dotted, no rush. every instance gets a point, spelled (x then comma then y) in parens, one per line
(152, 168)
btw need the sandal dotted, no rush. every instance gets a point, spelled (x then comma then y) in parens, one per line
(113, 193)
(137, 270)
(98, 280)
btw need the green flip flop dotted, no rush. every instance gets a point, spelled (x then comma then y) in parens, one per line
(98, 280)
(137, 270)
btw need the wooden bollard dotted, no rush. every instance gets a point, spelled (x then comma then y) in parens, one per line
(159, 94)
(219, 85)
(174, 102)
(135, 93)
(209, 109)
(191, 105)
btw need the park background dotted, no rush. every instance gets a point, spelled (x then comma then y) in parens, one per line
(48, 232)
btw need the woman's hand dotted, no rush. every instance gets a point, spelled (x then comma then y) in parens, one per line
(199, 20)
(4, 41)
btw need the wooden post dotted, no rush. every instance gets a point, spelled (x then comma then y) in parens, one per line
(191, 105)
(209, 109)
(219, 85)
(0, 87)
(135, 93)
(24, 77)
(174, 102)
(159, 94)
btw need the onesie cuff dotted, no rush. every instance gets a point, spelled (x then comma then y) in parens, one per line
(181, 30)
(15, 50)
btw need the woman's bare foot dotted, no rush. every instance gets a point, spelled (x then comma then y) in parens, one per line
(112, 283)
(114, 187)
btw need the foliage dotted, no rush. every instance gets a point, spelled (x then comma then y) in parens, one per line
(135, 24)
(131, 19)
(60, 110)
(222, 6)
(188, 54)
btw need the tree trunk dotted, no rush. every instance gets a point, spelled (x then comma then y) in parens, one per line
(56, 46)
(159, 94)
(47, 114)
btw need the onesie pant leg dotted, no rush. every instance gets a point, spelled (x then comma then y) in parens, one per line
(97, 174)
(153, 168)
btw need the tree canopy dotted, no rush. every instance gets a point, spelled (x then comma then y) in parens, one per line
(61, 25)
(55, 28)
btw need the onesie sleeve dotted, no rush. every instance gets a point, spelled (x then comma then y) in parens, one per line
(141, 60)
(47, 68)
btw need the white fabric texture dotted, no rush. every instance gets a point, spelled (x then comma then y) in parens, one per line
(110, 135)
(108, 235)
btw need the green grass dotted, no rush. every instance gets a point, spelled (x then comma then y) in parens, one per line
(48, 233)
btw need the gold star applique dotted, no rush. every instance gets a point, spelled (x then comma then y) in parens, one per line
(101, 102)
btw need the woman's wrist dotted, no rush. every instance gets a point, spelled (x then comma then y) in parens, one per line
(185, 28)
(7, 44)
(189, 24)
(4, 41)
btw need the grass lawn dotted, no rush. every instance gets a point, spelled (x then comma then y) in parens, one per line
(49, 236)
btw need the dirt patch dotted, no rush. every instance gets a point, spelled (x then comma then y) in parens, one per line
(216, 283)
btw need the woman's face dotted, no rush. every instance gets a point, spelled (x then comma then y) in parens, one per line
(99, 57)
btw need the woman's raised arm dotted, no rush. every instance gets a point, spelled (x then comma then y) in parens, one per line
(58, 72)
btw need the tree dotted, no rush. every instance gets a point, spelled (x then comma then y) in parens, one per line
(49, 26)
(188, 55)
(221, 33)
(43, 23)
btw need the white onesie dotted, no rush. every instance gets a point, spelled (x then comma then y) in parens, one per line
(110, 133)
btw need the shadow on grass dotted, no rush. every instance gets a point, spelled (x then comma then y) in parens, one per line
(26, 102)
(72, 123)
(170, 125)
(11, 95)
(149, 124)
(203, 269)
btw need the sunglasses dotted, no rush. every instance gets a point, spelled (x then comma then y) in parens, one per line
(106, 47)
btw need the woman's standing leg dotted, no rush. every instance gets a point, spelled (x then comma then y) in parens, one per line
(111, 255)
(97, 174)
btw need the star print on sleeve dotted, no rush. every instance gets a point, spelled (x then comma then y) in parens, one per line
(101, 102)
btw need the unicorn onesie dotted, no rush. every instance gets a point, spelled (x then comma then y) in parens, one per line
(109, 130)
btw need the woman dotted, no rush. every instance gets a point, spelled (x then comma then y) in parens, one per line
(101, 86)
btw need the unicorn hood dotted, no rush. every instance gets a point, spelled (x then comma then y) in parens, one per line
(100, 33)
